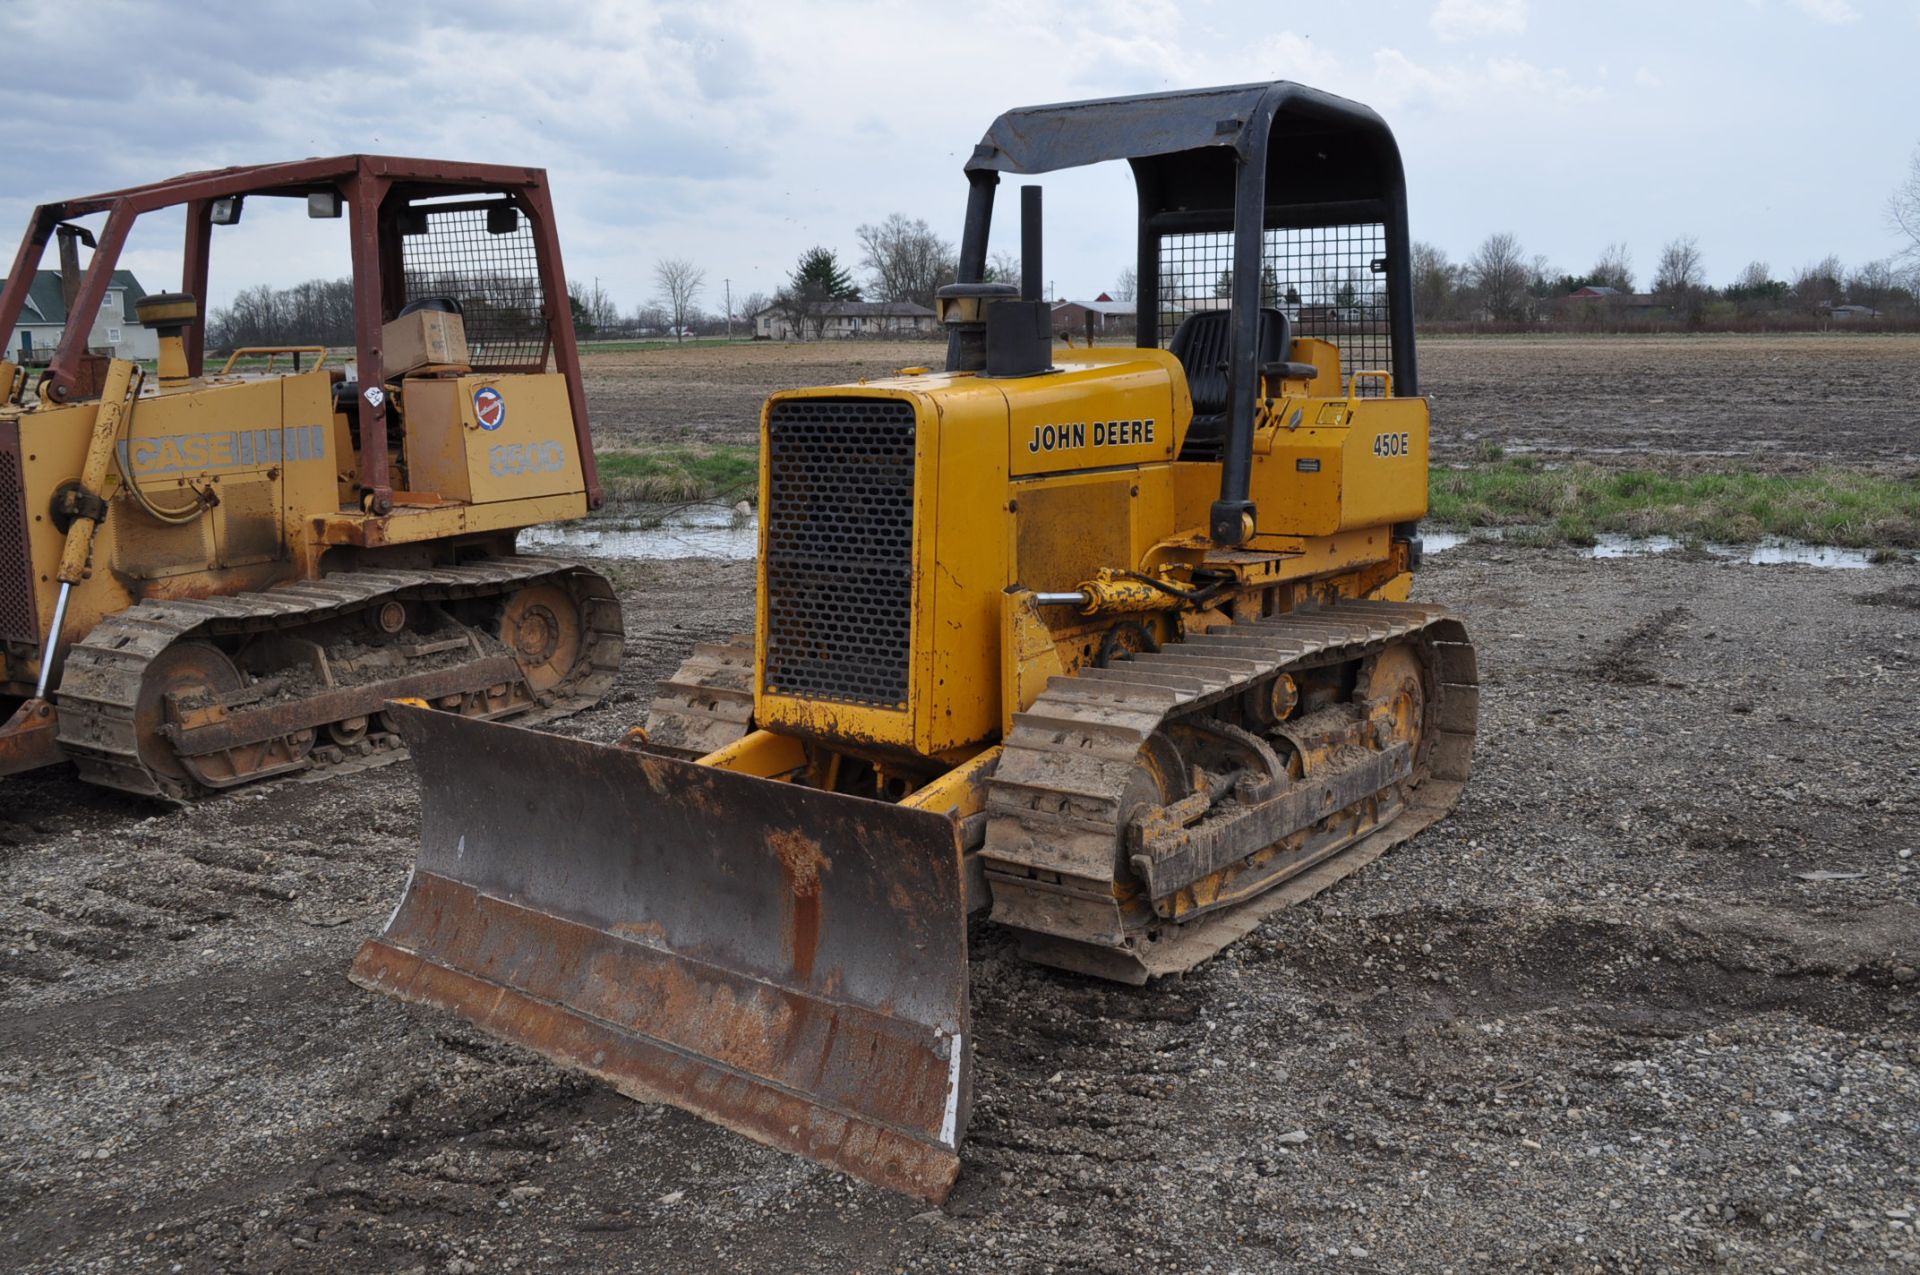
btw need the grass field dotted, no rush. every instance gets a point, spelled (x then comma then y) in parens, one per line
(1575, 502)
(1554, 502)
(680, 471)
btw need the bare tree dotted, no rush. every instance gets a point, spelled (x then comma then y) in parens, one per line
(1614, 268)
(650, 319)
(1003, 267)
(1434, 280)
(1871, 284)
(751, 305)
(909, 262)
(1126, 287)
(1541, 277)
(1681, 278)
(1499, 273)
(1818, 285)
(319, 311)
(593, 308)
(1680, 272)
(679, 282)
(1903, 208)
(796, 306)
(1755, 288)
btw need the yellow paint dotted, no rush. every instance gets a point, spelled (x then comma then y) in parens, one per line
(262, 477)
(761, 753)
(530, 452)
(1030, 655)
(960, 792)
(1369, 470)
(1027, 485)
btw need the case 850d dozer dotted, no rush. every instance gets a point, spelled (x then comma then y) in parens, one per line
(1111, 642)
(211, 577)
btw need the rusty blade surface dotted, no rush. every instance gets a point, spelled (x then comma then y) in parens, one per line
(788, 963)
(27, 738)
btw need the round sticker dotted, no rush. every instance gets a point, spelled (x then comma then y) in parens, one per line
(489, 408)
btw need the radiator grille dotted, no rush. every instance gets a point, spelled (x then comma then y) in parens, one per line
(17, 619)
(839, 560)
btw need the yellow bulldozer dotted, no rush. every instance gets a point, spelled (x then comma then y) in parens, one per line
(1112, 644)
(214, 576)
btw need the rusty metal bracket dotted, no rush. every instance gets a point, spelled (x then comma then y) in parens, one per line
(1170, 857)
(27, 739)
(225, 730)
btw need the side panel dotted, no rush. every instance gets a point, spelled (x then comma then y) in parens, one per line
(1093, 416)
(230, 442)
(961, 595)
(260, 449)
(1350, 465)
(488, 438)
(310, 489)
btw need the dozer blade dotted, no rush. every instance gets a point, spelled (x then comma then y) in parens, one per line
(785, 962)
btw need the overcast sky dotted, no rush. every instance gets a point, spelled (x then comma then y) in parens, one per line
(740, 134)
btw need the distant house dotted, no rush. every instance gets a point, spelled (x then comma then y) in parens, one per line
(848, 319)
(1595, 290)
(1852, 313)
(1108, 316)
(114, 330)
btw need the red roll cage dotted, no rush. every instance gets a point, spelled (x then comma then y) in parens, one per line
(381, 198)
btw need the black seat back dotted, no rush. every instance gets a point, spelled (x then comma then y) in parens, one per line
(1201, 343)
(445, 305)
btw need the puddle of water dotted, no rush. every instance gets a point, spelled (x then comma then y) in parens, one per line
(716, 531)
(1766, 553)
(691, 531)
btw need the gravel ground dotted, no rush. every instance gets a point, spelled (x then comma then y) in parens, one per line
(1646, 1002)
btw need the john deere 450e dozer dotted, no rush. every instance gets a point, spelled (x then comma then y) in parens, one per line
(1111, 643)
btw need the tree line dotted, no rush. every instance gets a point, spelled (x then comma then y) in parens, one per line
(904, 260)
(901, 259)
(1500, 283)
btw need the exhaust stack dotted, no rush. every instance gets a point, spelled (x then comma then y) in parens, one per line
(1020, 333)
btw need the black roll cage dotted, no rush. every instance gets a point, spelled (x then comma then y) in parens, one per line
(1244, 158)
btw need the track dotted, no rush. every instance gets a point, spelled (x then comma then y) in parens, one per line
(707, 704)
(108, 673)
(1066, 806)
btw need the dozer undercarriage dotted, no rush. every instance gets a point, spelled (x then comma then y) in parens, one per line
(176, 699)
(1112, 643)
(1142, 815)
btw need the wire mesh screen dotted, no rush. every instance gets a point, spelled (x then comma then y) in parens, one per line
(496, 279)
(1330, 281)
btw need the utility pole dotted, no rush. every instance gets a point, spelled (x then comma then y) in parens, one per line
(729, 286)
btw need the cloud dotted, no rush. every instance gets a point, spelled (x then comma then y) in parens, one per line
(1466, 19)
(739, 135)
(1492, 87)
(1832, 12)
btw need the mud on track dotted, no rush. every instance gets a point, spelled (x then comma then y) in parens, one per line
(1775, 402)
(1596, 1020)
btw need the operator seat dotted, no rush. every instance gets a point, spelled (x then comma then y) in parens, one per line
(1201, 345)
